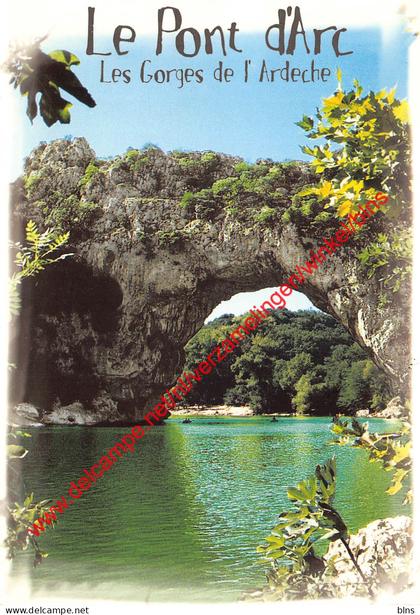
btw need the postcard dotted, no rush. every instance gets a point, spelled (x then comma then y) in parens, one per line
(210, 294)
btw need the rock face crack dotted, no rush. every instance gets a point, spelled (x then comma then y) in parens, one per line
(158, 241)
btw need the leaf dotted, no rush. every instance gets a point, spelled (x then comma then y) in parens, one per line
(64, 114)
(345, 208)
(28, 500)
(44, 74)
(307, 191)
(358, 88)
(391, 95)
(307, 123)
(276, 554)
(308, 488)
(333, 101)
(330, 534)
(307, 150)
(394, 488)
(14, 451)
(326, 188)
(65, 57)
(280, 526)
(276, 540)
(294, 494)
(401, 112)
(409, 497)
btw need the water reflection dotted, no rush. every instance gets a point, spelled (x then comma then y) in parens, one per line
(181, 517)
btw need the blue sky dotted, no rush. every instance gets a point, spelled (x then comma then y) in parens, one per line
(252, 120)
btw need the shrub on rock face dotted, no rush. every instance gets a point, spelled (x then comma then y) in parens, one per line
(90, 172)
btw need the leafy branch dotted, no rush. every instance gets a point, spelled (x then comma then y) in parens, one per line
(393, 254)
(35, 72)
(391, 450)
(41, 249)
(366, 148)
(291, 545)
(20, 519)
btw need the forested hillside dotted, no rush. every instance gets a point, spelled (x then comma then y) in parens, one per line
(297, 361)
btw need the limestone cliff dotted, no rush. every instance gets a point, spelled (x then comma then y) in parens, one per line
(158, 241)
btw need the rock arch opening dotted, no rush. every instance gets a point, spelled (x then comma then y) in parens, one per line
(155, 261)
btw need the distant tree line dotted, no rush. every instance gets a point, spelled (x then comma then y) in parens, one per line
(303, 362)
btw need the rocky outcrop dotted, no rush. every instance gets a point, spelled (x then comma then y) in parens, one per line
(393, 410)
(382, 550)
(103, 410)
(158, 240)
(26, 415)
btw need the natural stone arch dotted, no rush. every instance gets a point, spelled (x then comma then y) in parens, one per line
(165, 267)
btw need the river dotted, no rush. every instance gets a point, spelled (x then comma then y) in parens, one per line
(180, 519)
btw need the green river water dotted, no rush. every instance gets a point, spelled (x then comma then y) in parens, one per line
(180, 519)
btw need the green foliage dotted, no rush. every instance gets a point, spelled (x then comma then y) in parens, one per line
(187, 163)
(292, 546)
(265, 213)
(91, 170)
(136, 159)
(363, 386)
(31, 180)
(365, 150)
(70, 213)
(35, 72)
(192, 161)
(169, 238)
(132, 154)
(208, 157)
(187, 198)
(269, 182)
(241, 167)
(391, 450)
(40, 250)
(294, 362)
(21, 517)
(302, 400)
(392, 255)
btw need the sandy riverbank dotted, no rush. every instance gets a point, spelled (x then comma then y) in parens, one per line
(219, 411)
(213, 411)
